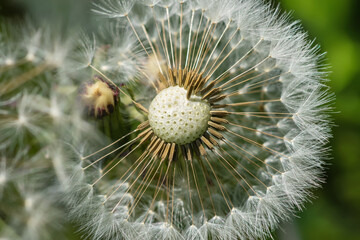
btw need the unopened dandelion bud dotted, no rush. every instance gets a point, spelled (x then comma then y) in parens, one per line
(99, 97)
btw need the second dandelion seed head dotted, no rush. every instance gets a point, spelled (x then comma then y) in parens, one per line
(176, 119)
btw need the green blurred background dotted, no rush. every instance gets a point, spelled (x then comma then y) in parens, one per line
(335, 213)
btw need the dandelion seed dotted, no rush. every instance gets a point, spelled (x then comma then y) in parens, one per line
(234, 124)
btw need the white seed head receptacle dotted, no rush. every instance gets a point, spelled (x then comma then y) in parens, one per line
(174, 118)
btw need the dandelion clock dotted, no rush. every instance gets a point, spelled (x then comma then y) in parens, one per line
(213, 117)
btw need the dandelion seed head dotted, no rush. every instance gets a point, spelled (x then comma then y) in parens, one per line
(37, 108)
(232, 118)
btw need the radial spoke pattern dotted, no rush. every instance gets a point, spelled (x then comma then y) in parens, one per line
(234, 171)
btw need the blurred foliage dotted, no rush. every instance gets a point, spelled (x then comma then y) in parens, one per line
(334, 214)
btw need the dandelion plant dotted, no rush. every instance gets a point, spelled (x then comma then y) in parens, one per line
(182, 119)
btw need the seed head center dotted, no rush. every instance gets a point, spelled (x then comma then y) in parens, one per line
(176, 119)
